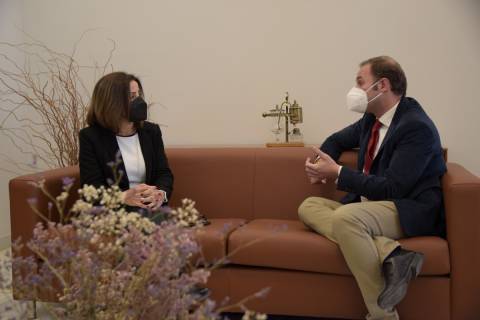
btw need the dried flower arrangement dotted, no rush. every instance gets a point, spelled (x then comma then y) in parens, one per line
(104, 262)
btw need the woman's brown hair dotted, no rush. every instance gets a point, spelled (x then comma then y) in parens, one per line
(110, 100)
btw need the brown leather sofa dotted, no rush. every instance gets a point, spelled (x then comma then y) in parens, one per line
(254, 193)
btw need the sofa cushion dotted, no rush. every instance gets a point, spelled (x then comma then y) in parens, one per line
(288, 244)
(213, 239)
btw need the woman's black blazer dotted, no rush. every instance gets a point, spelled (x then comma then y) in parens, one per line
(99, 147)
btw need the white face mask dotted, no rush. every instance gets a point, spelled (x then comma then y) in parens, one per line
(357, 99)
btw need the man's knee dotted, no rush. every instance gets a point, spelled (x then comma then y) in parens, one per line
(305, 207)
(345, 220)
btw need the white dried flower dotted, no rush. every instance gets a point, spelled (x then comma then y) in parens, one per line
(81, 206)
(62, 197)
(251, 315)
(90, 193)
(186, 215)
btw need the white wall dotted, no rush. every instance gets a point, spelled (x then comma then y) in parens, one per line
(11, 23)
(215, 66)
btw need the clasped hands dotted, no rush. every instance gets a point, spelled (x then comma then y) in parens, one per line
(322, 168)
(144, 196)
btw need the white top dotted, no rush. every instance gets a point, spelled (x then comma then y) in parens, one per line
(132, 159)
(385, 120)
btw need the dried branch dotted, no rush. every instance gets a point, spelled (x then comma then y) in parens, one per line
(43, 101)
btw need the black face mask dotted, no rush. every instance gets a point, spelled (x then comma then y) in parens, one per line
(138, 110)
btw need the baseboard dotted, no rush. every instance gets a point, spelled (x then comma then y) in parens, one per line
(5, 242)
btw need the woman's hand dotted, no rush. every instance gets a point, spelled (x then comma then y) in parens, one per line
(152, 197)
(134, 196)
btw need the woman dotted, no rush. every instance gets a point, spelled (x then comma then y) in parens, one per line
(117, 123)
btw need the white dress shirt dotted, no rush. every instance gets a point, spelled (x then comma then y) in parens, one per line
(132, 159)
(385, 120)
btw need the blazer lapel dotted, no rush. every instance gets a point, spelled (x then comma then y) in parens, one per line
(393, 125)
(364, 141)
(111, 147)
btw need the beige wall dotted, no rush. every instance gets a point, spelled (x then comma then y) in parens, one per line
(215, 66)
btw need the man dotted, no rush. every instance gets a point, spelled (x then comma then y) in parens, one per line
(394, 193)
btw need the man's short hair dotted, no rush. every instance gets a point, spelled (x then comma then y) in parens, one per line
(387, 67)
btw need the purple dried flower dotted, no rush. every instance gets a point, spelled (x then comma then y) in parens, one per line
(67, 181)
(95, 210)
(165, 209)
(35, 279)
(32, 201)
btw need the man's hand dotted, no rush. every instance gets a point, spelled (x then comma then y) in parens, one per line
(313, 179)
(323, 168)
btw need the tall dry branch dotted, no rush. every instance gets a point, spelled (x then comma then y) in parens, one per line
(43, 103)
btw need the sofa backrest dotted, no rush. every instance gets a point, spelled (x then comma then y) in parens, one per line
(247, 182)
(225, 182)
(21, 189)
(232, 182)
(219, 180)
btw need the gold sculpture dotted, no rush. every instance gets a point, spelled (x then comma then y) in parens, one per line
(292, 112)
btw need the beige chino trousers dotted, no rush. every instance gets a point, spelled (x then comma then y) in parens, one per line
(366, 233)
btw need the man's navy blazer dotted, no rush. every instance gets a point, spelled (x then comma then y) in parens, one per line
(406, 170)
(99, 147)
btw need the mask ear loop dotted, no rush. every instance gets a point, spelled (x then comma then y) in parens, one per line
(374, 84)
(378, 95)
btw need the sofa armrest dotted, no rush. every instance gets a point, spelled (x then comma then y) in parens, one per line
(462, 209)
(23, 218)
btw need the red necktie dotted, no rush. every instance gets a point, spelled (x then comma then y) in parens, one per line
(372, 144)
